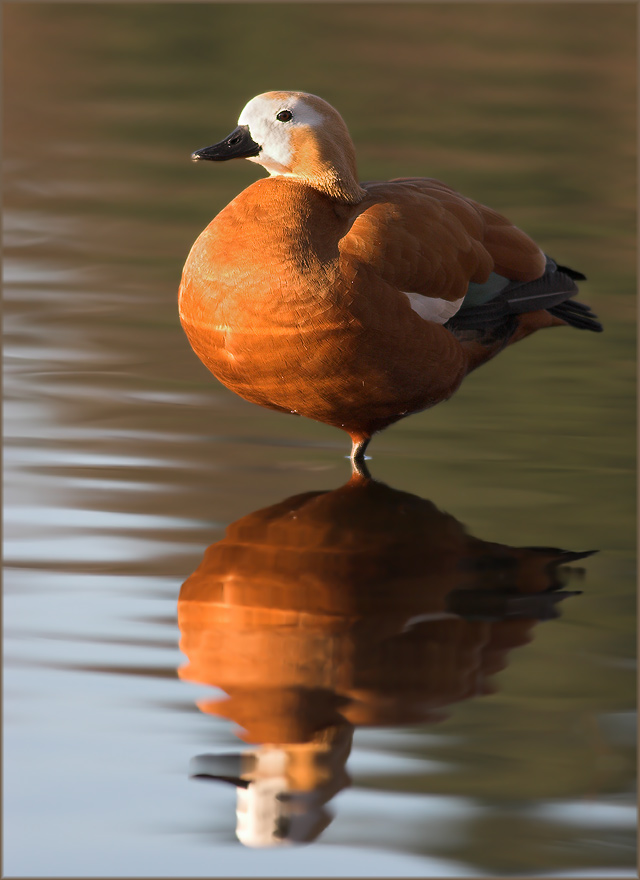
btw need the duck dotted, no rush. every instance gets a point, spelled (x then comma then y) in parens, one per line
(355, 304)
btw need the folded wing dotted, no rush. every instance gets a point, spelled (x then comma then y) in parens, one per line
(426, 240)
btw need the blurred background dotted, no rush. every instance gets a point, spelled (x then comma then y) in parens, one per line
(125, 459)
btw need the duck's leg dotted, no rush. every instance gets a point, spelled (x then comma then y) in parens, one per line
(358, 448)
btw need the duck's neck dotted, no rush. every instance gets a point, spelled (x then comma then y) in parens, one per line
(333, 172)
(338, 187)
(334, 183)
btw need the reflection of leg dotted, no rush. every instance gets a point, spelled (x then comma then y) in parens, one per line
(358, 449)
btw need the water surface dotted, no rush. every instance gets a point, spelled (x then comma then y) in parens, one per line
(429, 737)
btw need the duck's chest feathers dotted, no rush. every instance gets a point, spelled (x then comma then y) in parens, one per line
(269, 254)
(259, 286)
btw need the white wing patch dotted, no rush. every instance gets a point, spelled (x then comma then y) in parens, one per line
(431, 309)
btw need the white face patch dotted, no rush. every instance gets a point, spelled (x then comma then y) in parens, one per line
(431, 309)
(273, 135)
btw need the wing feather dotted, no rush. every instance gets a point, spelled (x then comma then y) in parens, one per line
(420, 236)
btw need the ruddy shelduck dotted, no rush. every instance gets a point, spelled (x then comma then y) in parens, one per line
(355, 304)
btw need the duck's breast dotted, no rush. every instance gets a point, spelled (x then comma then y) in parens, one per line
(260, 295)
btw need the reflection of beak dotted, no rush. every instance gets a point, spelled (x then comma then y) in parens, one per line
(218, 768)
(238, 145)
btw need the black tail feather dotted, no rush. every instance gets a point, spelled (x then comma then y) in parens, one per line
(572, 273)
(553, 291)
(582, 318)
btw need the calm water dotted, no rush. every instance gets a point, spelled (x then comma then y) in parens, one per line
(345, 655)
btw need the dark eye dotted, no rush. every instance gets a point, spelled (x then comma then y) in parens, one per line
(284, 116)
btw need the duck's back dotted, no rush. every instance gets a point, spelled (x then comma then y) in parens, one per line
(445, 238)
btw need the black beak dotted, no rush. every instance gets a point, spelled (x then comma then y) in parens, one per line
(238, 145)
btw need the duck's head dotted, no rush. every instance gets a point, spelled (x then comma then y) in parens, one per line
(297, 135)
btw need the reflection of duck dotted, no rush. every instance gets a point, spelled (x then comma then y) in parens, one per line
(360, 606)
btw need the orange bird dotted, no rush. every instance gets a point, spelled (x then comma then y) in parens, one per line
(355, 304)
